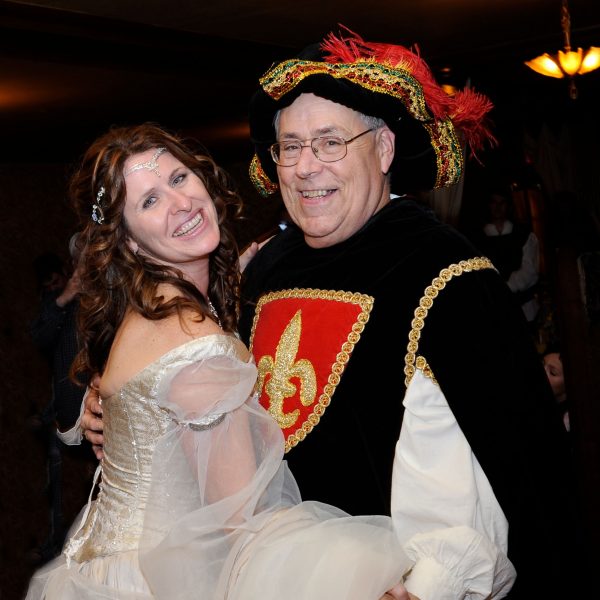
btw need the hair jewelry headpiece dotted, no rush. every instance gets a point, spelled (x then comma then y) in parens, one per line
(150, 165)
(97, 212)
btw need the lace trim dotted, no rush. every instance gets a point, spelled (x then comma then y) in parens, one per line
(412, 360)
(75, 542)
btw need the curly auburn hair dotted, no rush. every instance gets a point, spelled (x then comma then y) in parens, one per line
(115, 278)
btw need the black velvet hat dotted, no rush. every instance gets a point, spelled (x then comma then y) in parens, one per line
(386, 81)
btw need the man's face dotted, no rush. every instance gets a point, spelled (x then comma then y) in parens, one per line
(554, 370)
(332, 201)
(498, 207)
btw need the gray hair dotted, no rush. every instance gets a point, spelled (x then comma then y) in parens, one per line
(369, 121)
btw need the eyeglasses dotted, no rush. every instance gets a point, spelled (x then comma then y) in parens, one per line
(328, 148)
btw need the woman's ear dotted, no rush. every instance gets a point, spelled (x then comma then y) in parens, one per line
(133, 245)
(386, 144)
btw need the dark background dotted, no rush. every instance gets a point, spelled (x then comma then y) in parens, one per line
(69, 69)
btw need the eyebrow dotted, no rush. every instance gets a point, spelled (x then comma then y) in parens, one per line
(328, 130)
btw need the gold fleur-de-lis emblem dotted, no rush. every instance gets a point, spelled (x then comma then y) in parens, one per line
(282, 369)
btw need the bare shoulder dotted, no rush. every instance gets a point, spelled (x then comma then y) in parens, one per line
(139, 342)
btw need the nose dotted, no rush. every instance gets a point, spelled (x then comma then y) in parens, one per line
(179, 201)
(308, 164)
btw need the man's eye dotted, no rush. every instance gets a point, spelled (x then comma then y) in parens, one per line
(332, 142)
(290, 147)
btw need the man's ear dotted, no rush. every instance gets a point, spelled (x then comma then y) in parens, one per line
(133, 245)
(386, 144)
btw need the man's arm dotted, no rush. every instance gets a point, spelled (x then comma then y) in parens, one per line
(444, 511)
(528, 272)
(478, 346)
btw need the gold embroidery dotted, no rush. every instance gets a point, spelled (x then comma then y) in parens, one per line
(448, 152)
(366, 305)
(260, 179)
(395, 81)
(412, 360)
(282, 369)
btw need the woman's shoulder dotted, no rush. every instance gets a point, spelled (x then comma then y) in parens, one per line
(162, 334)
(140, 342)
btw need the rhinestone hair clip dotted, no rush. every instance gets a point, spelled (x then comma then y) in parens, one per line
(150, 165)
(97, 212)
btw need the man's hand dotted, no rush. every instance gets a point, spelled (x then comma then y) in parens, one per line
(247, 255)
(250, 252)
(398, 592)
(91, 420)
(71, 289)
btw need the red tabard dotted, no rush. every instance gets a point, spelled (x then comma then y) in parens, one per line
(301, 341)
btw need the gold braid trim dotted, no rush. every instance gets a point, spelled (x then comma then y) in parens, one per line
(412, 360)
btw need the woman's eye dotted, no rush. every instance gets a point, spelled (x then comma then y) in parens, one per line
(149, 201)
(179, 178)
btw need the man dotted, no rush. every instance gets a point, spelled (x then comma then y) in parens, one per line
(514, 250)
(54, 332)
(341, 133)
(367, 298)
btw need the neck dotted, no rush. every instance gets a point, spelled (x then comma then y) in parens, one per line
(198, 274)
(499, 224)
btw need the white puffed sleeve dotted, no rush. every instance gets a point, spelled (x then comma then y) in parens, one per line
(74, 435)
(443, 507)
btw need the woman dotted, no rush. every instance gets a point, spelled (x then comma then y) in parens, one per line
(194, 500)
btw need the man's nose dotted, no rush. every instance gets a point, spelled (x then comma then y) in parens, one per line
(308, 163)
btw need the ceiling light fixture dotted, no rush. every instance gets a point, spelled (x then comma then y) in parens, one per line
(567, 62)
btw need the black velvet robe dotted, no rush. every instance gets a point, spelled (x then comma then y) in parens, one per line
(475, 340)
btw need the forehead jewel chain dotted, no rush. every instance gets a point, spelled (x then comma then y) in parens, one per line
(150, 165)
(97, 212)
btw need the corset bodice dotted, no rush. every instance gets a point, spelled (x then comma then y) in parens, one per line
(134, 421)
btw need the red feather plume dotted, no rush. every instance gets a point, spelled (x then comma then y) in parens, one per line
(467, 109)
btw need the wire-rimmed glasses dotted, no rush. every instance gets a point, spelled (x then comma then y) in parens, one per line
(327, 148)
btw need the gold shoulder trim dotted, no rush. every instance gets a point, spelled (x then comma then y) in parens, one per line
(412, 360)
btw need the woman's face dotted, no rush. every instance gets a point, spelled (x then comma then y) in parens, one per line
(170, 215)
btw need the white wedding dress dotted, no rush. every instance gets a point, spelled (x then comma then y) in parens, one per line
(195, 501)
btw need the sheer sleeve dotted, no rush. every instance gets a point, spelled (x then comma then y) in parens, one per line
(224, 517)
(217, 473)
